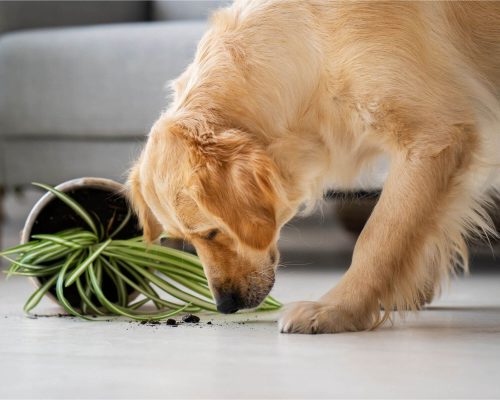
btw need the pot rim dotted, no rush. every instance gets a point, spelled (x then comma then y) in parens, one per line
(90, 182)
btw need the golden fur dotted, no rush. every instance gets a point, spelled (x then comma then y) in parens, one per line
(286, 99)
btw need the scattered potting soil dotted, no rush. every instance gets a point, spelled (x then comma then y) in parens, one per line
(191, 318)
(59, 315)
(52, 315)
(188, 319)
(150, 322)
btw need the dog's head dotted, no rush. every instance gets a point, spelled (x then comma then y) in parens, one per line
(221, 192)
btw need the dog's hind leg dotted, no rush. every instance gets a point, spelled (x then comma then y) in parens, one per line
(414, 236)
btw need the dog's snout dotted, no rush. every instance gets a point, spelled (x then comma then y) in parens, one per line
(229, 303)
(249, 291)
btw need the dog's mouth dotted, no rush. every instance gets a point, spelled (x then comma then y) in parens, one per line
(257, 294)
(230, 301)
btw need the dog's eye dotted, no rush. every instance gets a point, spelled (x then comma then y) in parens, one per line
(211, 235)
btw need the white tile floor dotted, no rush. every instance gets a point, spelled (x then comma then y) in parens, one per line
(450, 350)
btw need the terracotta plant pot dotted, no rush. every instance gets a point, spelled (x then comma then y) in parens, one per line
(101, 197)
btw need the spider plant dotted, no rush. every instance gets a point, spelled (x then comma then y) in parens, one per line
(105, 271)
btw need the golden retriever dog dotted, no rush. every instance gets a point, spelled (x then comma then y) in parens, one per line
(286, 99)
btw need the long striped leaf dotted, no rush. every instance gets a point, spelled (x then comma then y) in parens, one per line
(35, 298)
(74, 205)
(89, 260)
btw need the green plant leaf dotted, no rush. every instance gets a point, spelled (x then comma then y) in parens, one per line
(157, 262)
(19, 249)
(74, 205)
(60, 287)
(139, 304)
(89, 260)
(121, 291)
(175, 257)
(119, 265)
(172, 290)
(58, 240)
(34, 267)
(116, 309)
(33, 256)
(122, 225)
(146, 286)
(199, 289)
(86, 299)
(141, 289)
(182, 270)
(272, 301)
(38, 294)
(54, 256)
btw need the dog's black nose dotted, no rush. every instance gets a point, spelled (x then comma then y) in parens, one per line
(228, 304)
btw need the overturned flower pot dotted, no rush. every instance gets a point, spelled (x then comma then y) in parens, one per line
(102, 198)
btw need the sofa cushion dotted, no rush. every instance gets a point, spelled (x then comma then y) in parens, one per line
(182, 9)
(57, 160)
(15, 15)
(96, 81)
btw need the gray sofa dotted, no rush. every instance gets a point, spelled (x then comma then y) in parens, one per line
(82, 82)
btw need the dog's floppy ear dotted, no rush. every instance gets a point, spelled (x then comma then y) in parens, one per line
(235, 182)
(150, 225)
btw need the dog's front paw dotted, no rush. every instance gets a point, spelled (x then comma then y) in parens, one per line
(319, 317)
